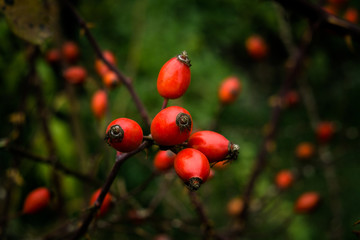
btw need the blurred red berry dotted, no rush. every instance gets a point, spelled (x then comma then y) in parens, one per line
(70, 51)
(75, 74)
(229, 90)
(36, 200)
(164, 160)
(105, 206)
(307, 202)
(284, 179)
(256, 47)
(99, 103)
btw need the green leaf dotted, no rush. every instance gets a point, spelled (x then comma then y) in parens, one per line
(32, 20)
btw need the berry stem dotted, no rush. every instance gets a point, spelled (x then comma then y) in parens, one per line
(165, 102)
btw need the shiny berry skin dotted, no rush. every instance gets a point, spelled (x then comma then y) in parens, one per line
(307, 202)
(304, 150)
(123, 134)
(351, 15)
(75, 74)
(284, 179)
(192, 167)
(235, 206)
(100, 67)
(53, 56)
(174, 77)
(36, 200)
(106, 204)
(325, 131)
(70, 51)
(110, 80)
(99, 103)
(256, 47)
(171, 126)
(214, 145)
(229, 90)
(164, 160)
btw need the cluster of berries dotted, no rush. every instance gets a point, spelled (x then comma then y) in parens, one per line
(190, 154)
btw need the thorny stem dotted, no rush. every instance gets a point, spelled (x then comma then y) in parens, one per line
(126, 81)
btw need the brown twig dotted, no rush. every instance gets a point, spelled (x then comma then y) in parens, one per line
(316, 14)
(126, 81)
(56, 164)
(120, 159)
(260, 162)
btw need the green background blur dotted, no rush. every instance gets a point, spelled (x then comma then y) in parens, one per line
(143, 35)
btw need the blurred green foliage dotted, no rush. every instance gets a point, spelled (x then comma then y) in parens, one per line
(144, 35)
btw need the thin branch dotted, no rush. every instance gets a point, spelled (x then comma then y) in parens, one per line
(315, 13)
(126, 81)
(120, 159)
(56, 164)
(260, 162)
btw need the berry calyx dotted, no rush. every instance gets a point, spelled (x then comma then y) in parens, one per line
(174, 77)
(36, 200)
(124, 134)
(214, 145)
(192, 167)
(106, 204)
(171, 126)
(229, 90)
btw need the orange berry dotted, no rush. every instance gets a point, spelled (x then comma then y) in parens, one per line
(75, 74)
(304, 150)
(100, 66)
(256, 47)
(105, 206)
(164, 160)
(284, 179)
(229, 90)
(235, 206)
(307, 202)
(110, 79)
(70, 51)
(99, 103)
(351, 15)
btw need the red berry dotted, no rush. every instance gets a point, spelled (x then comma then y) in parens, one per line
(330, 9)
(192, 167)
(221, 165)
(36, 200)
(214, 145)
(105, 206)
(110, 79)
(351, 15)
(124, 134)
(307, 202)
(99, 103)
(171, 126)
(70, 51)
(100, 67)
(164, 160)
(284, 179)
(174, 77)
(305, 150)
(75, 75)
(256, 47)
(325, 131)
(291, 98)
(53, 56)
(229, 90)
